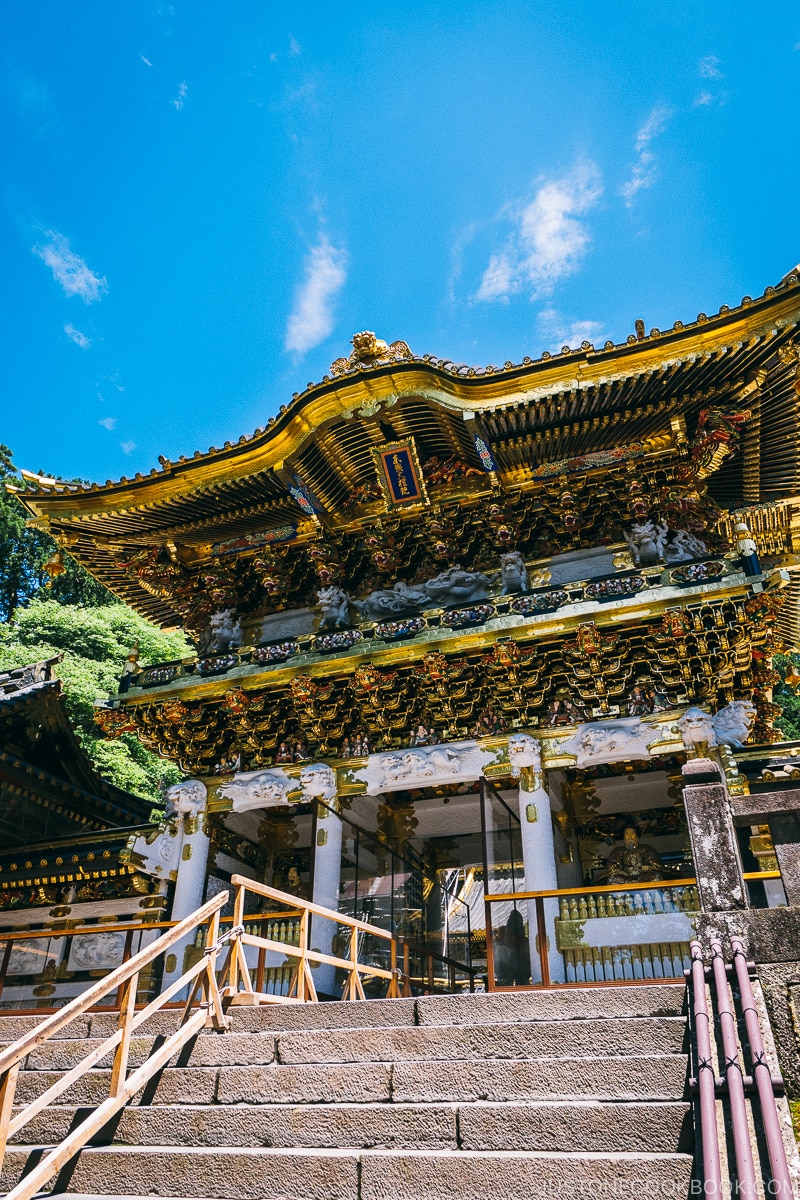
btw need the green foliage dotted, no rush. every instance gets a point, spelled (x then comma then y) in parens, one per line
(95, 643)
(23, 553)
(787, 698)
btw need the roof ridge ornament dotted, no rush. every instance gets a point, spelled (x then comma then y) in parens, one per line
(370, 351)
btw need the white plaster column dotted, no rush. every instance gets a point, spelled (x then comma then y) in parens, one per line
(538, 848)
(327, 879)
(187, 802)
(539, 861)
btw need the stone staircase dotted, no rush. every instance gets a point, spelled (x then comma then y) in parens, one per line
(515, 1095)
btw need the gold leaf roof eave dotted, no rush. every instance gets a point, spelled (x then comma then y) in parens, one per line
(463, 391)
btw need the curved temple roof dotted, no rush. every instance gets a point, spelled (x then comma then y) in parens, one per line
(506, 426)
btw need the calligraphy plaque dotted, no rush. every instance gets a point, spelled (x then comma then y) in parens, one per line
(400, 474)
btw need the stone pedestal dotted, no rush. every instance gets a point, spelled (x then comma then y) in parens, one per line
(718, 867)
(327, 878)
(785, 830)
(539, 860)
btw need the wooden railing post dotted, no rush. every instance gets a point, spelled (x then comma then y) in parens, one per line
(541, 939)
(4, 967)
(119, 1069)
(8, 1086)
(126, 953)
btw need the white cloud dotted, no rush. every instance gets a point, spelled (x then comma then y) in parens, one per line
(311, 320)
(108, 422)
(294, 45)
(69, 269)
(548, 240)
(709, 67)
(146, 61)
(179, 102)
(75, 335)
(645, 172)
(704, 99)
(557, 331)
(128, 447)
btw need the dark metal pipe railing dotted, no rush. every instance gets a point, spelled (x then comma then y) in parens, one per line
(779, 1168)
(733, 1076)
(701, 1024)
(733, 1083)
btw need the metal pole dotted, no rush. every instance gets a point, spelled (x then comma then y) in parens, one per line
(712, 1174)
(763, 1077)
(743, 1150)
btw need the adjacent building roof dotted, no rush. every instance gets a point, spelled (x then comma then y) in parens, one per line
(48, 787)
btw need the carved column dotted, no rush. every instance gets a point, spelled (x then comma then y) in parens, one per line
(538, 854)
(715, 851)
(187, 801)
(327, 880)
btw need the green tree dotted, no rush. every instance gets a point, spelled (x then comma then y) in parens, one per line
(786, 697)
(94, 643)
(24, 551)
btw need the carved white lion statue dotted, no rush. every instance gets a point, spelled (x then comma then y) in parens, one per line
(421, 764)
(608, 741)
(513, 573)
(697, 729)
(334, 607)
(646, 541)
(225, 631)
(186, 799)
(732, 724)
(257, 789)
(318, 782)
(523, 751)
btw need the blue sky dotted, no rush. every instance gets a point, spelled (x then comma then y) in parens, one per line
(201, 203)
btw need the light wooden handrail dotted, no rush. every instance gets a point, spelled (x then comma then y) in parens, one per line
(202, 978)
(18, 935)
(240, 988)
(496, 897)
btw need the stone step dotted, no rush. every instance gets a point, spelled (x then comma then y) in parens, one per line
(436, 1081)
(557, 1004)
(305, 1174)
(572, 1126)
(632, 1077)
(542, 1039)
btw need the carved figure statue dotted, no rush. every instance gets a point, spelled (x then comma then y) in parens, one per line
(257, 789)
(633, 861)
(747, 549)
(524, 751)
(562, 710)
(646, 541)
(224, 632)
(638, 704)
(609, 741)
(513, 573)
(401, 600)
(683, 546)
(450, 588)
(697, 729)
(455, 586)
(318, 782)
(186, 799)
(732, 724)
(335, 608)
